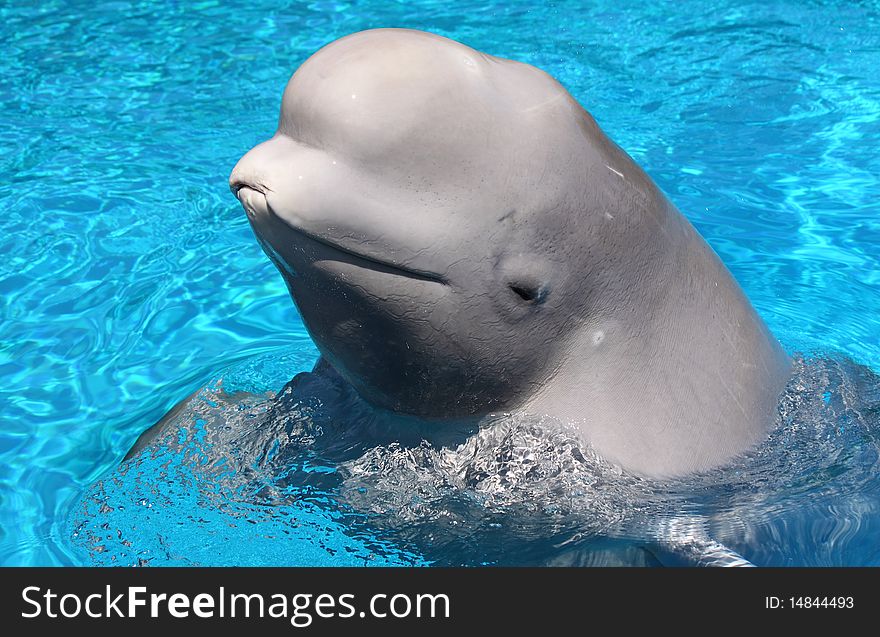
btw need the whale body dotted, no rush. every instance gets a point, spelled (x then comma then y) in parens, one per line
(461, 239)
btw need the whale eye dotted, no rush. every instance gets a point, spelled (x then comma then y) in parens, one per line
(534, 293)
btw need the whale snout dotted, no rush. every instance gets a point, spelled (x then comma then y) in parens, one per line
(252, 199)
(251, 177)
(248, 184)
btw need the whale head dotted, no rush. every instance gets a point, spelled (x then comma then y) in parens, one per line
(416, 198)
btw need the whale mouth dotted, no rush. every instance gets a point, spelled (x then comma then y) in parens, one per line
(239, 189)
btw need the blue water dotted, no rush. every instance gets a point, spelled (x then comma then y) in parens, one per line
(130, 278)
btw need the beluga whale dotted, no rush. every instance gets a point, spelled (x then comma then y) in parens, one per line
(461, 239)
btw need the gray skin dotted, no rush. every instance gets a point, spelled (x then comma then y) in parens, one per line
(462, 239)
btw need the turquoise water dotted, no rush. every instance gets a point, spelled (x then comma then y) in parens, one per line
(130, 277)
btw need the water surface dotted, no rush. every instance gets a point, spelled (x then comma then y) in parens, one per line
(130, 277)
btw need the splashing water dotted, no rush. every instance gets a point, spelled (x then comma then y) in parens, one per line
(287, 476)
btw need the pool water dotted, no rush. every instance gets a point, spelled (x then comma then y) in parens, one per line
(130, 279)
